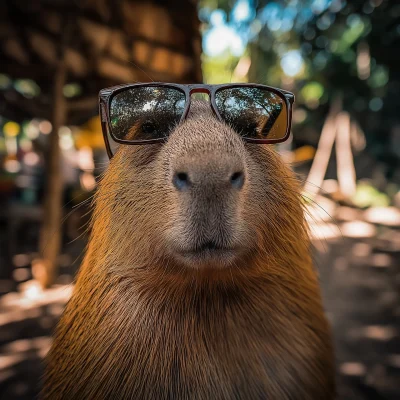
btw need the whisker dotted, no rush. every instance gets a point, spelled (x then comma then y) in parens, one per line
(326, 212)
(85, 231)
(301, 180)
(137, 66)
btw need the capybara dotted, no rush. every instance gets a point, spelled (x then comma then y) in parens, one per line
(198, 281)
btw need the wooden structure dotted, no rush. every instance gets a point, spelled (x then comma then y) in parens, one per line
(69, 50)
(104, 42)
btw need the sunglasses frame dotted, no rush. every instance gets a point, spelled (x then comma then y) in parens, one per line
(106, 95)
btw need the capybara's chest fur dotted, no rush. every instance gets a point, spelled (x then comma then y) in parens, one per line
(215, 342)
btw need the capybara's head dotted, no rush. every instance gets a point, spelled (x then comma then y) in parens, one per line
(202, 199)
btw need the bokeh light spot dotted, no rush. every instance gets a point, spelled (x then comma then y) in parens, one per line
(292, 63)
(376, 104)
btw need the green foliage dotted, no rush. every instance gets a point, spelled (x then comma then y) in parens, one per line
(225, 5)
(368, 196)
(219, 69)
(312, 91)
(349, 47)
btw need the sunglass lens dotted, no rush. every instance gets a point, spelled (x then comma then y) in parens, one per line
(146, 112)
(255, 113)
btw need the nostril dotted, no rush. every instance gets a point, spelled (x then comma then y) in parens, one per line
(181, 180)
(237, 179)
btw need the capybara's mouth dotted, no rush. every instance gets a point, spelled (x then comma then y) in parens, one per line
(210, 246)
(210, 252)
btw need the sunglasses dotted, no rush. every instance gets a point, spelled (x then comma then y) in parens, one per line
(146, 113)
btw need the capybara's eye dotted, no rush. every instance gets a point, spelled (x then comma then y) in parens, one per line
(248, 128)
(148, 127)
(252, 129)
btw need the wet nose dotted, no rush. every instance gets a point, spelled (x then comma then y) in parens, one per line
(221, 173)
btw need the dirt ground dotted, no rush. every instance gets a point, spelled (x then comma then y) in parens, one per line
(358, 258)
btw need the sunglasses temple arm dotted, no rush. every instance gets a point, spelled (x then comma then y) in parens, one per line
(288, 95)
(104, 126)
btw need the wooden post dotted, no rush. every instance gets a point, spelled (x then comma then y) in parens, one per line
(324, 150)
(344, 157)
(45, 268)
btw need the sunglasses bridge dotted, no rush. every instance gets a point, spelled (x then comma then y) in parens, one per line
(199, 89)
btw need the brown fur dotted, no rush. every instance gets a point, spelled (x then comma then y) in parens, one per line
(144, 323)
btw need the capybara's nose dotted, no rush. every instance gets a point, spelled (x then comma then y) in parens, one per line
(220, 174)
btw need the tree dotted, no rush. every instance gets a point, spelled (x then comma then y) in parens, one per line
(64, 52)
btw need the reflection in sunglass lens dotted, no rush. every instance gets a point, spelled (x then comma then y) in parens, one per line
(146, 112)
(255, 113)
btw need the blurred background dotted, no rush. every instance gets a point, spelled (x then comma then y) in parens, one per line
(340, 58)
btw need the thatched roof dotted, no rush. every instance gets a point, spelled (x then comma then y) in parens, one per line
(103, 42)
